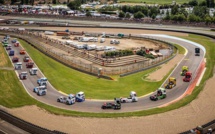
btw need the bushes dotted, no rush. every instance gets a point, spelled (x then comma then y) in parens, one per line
(143, 53)
(119, 53)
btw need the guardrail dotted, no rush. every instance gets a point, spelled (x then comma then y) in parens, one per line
(26, 126)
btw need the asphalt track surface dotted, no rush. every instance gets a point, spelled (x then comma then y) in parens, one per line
(143, 103)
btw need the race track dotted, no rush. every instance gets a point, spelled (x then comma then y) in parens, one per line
(144, 103)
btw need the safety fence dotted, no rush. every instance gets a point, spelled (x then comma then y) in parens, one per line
(86, 63)
(26, 126)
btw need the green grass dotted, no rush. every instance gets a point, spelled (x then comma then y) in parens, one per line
(12, 94)
(4, 60)
(155, 1)
(68, 80)
(181, 49)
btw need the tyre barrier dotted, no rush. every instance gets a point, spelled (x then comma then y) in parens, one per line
(207, 128)
(26, 126)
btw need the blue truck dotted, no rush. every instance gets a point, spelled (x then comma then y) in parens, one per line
(11, 53)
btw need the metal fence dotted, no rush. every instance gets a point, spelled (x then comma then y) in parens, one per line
(59, 51)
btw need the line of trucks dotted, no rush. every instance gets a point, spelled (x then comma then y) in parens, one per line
(80, 96)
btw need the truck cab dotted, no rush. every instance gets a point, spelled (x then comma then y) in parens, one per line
(18, 66)
(23, 75)
(70, 99)
(33, 71)
(42, 80)
(187, 77)
(80, 97)
(11, 53)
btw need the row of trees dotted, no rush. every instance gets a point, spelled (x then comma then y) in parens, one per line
(140, 11)
(31, 2)
(199, 14)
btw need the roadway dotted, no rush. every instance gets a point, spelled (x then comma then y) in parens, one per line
(95, 106)
(108, 24)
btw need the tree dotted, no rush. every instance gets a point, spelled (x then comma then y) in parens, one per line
(74, 5)
(88, 14)
(181, 17)
(184, 12)
(121, 14)
(1, 1)
(127, 15)
(208, 19)
(138, 15)
(153, 10)
(125, 8)
(203, 3)
(194, 18)
(193, 3)
(200, 11)
(54, 1)
(167, 17)
(153, 16)
(174, 10)
(210, 3)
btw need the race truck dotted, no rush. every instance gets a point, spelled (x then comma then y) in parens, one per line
(69, 100)
(80, 97)
(41, 90)
(161, 94)
(187, 77)
(184, 70)
(171, 83)
(112, 105)
(132, 98)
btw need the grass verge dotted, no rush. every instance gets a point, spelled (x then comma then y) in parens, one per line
(4, 62)
(181, 49)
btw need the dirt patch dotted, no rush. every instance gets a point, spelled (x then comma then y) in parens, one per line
(165, 68)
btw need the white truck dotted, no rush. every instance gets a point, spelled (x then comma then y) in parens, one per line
(113, 41)
(80, 97)
(33, 71)
(91, 47)
(69, 100)
(41, 90)
(132, 98)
